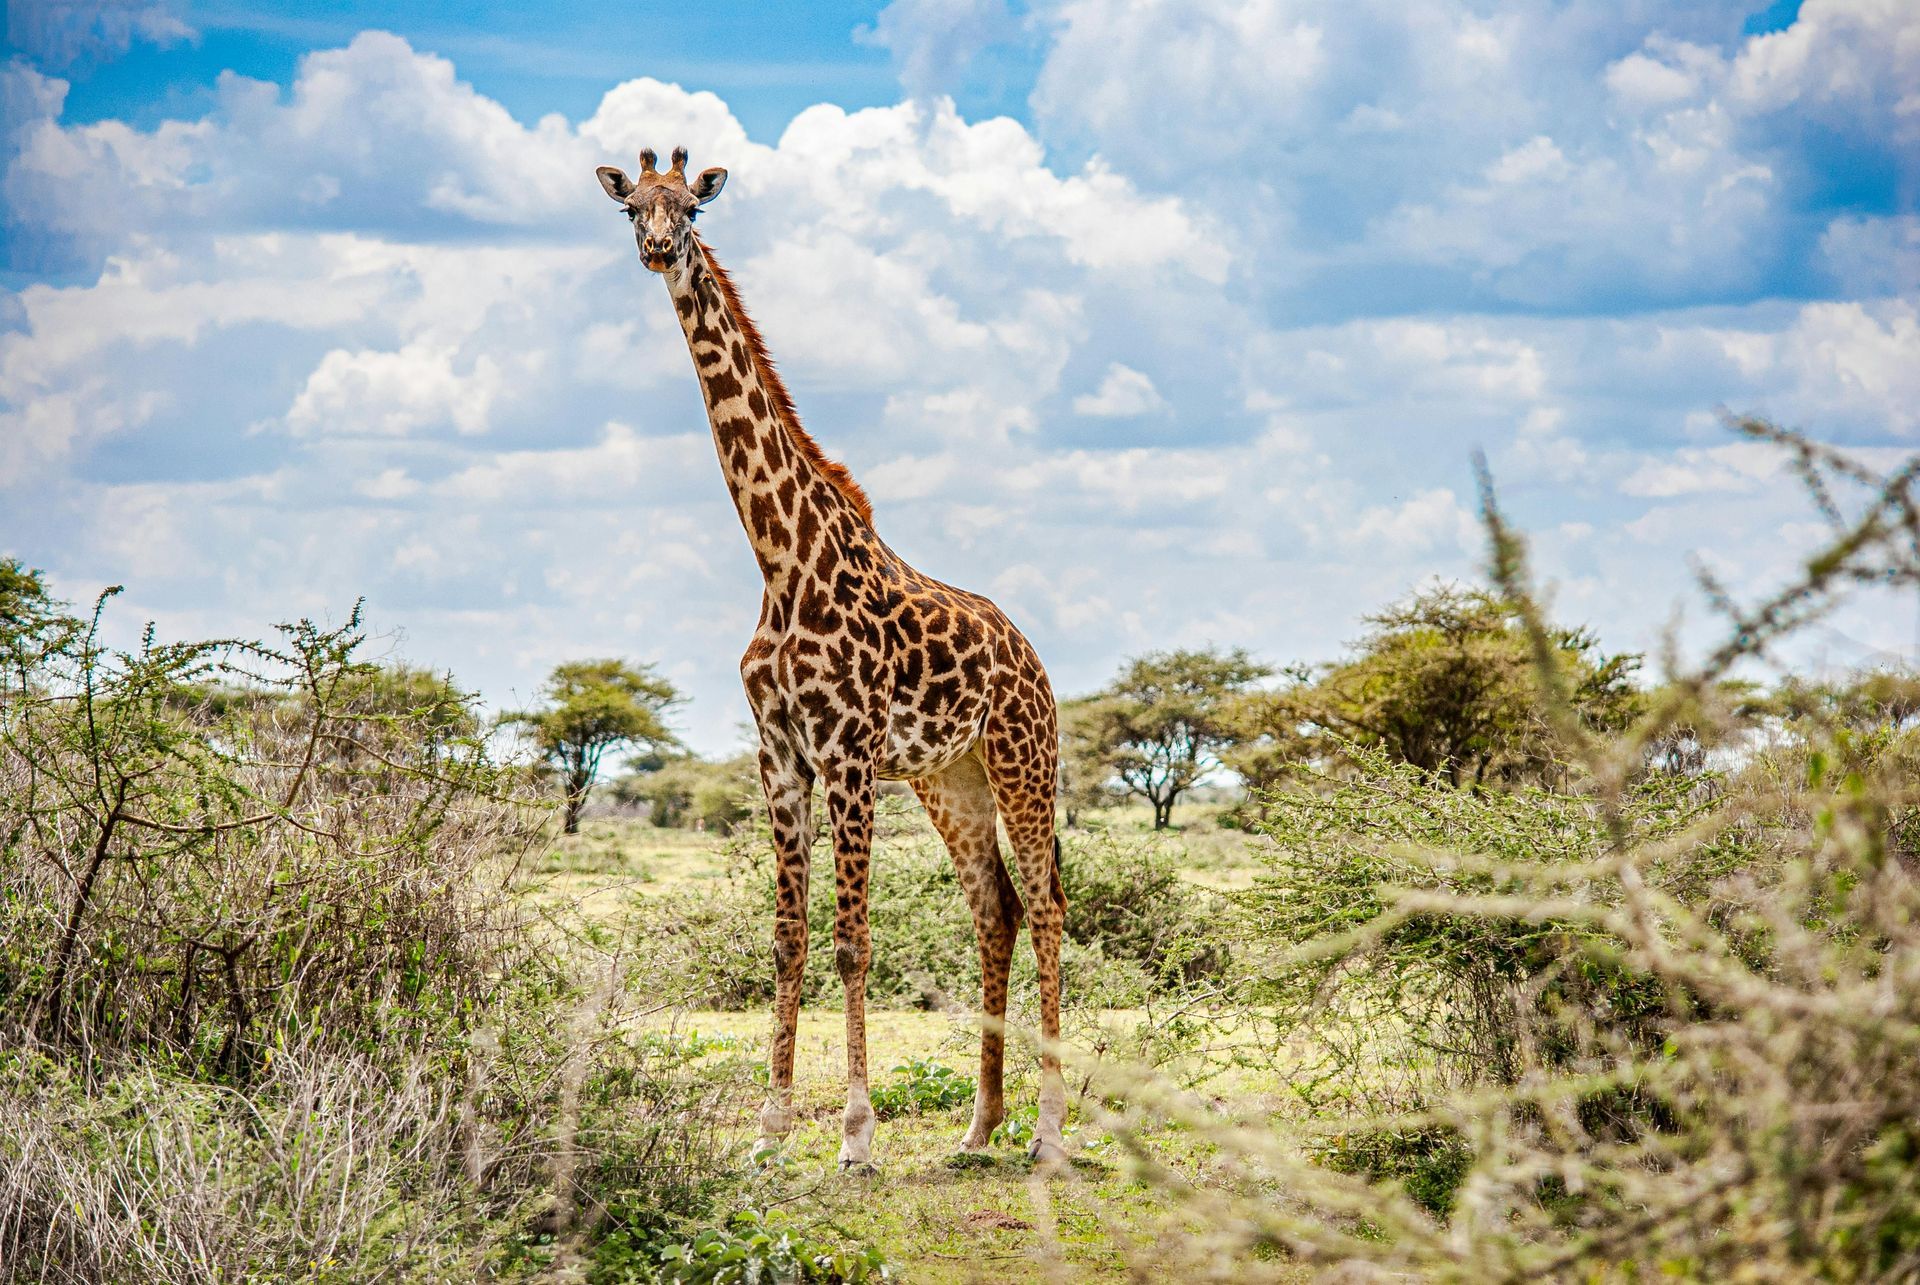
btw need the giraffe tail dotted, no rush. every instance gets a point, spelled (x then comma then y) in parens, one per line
(1059, 893)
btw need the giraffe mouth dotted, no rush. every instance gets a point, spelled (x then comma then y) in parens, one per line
(657, 262)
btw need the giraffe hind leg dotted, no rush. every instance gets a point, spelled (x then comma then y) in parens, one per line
(959, 801)
(1022, 766)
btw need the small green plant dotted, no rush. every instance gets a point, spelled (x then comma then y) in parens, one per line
(1017, 1129)
(923, 1086)
(751, 1248)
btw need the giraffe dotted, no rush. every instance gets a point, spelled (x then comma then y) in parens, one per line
(863, 669)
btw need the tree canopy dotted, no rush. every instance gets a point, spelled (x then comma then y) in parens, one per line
(592, 707)
(1443, 680)
(1160, 727)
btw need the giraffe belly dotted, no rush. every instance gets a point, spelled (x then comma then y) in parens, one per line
(918, 747)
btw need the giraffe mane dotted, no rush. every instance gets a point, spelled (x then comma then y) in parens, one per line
(833, 470)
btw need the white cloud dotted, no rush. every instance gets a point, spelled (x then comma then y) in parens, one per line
(1737, 467)
(934, 41)
(1641, 81)
(645, 112)
(1535, 160)
(395, 393)
(973, 413)
(622, 465)
(388, 484)
(1173, 76)
(1373, 360)
(1123, 392)
(1587, 169)
(1433, 518)
(1833, 365)
(1850, 57)
(379, 337)
(1874, 256)
(1544, 448)
(58, 33)
(1862, 359)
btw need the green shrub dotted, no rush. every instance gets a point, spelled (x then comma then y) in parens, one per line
(1480, 997)
(1134, 927)
(269, 1007)
(1126, 898)
(1428, 1164)
(695, 793)
(922, 1086)
(1651, 1026)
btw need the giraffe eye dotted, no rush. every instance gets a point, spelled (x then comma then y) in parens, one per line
(629, 211)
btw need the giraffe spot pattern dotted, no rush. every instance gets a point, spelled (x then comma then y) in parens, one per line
(862, 669)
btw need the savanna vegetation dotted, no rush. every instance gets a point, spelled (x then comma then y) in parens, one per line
(1475, 953)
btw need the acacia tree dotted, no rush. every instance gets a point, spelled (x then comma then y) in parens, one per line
(32, 621)
(1444, 680)
(592, 707)
(1086, 768)
(1161, 725)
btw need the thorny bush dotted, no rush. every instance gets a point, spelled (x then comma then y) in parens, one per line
(269, 1005)
(1628, 1031)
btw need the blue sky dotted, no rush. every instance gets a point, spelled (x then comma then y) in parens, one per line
(1165, 322)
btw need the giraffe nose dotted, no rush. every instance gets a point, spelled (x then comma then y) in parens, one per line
(656, 245)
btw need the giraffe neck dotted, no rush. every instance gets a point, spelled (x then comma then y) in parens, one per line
(785, 490)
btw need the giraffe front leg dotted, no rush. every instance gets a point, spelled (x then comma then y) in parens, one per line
(789, 791)
(850, 808)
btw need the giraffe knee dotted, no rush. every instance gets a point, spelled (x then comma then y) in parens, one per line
(851, 958)
(789, 954)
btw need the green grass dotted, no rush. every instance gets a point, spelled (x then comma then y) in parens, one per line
(592, 873)
(943, 1216)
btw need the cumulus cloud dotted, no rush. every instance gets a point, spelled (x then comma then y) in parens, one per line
(394, 392)
(1540, 154)
(1874, 256)
(1740, 466)
(1848, 60)
(1123, 392)
(368, 333)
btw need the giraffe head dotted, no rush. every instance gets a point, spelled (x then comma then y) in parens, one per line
(661, 206)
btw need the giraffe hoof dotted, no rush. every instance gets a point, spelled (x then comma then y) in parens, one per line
(1047, 1155)
(859, 1168)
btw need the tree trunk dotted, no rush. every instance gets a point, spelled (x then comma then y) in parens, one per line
(1163, 813)
(70, 935)
(579, 781)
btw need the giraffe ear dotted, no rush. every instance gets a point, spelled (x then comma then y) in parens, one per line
(618, 186)
(708, 185)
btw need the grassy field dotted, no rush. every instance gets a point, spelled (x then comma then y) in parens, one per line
(941, 1216)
